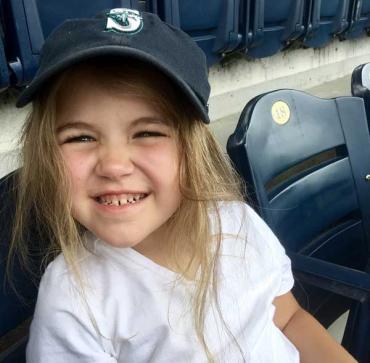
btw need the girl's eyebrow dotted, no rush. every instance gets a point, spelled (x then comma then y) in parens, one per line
(85, 125)
(75, 125)
(149, 120)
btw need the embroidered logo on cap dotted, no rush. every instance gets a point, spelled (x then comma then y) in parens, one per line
(124, 21)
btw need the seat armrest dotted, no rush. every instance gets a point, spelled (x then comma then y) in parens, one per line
(338, 279)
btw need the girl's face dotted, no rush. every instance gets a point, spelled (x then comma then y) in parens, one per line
(123, 161)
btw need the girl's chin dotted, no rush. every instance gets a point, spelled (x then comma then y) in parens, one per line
(117, 242)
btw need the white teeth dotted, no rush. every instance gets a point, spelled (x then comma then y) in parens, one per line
(118, 200)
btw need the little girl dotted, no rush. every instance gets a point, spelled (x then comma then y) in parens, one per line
(155, 256)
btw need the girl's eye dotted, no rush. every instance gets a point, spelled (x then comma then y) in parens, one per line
(149, 134)
(81, 138)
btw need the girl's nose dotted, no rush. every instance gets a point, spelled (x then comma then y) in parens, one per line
(114, 162)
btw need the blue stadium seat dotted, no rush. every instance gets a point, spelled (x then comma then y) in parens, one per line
(325, 20)
(213, 24)
(307, 163)
(4, 73)
(16, 307)
(359, 20)
(360, 86)
(270, 25)
(28, 22)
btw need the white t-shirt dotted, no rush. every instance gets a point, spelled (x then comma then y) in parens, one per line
(136, 314)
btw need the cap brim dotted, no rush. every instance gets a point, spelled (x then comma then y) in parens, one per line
(105, 51)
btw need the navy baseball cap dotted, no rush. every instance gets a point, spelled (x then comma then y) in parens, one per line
(130, 34)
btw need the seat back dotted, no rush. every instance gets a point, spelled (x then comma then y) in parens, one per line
(308, 174)
(326, 19)
(306, 161)
(28, 22)
(359, 19)
(213, 24)
(360, 86)
(16, 307)
(268, 26)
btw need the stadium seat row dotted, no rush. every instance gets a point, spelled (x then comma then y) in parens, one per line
(257, 28)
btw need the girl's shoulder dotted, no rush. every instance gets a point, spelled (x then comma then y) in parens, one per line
(56, 271)
(56, 290)
(59, 280)
(246, 236)
(240, 218)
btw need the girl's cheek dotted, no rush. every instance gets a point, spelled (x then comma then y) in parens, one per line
(160, 154)
(78, 163)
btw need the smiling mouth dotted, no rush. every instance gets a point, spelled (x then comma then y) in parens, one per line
(122, 199)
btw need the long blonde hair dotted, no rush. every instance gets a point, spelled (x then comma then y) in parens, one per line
(206, 178)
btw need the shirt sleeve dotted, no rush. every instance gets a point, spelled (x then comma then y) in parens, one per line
(62, 330)
(274, 251)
